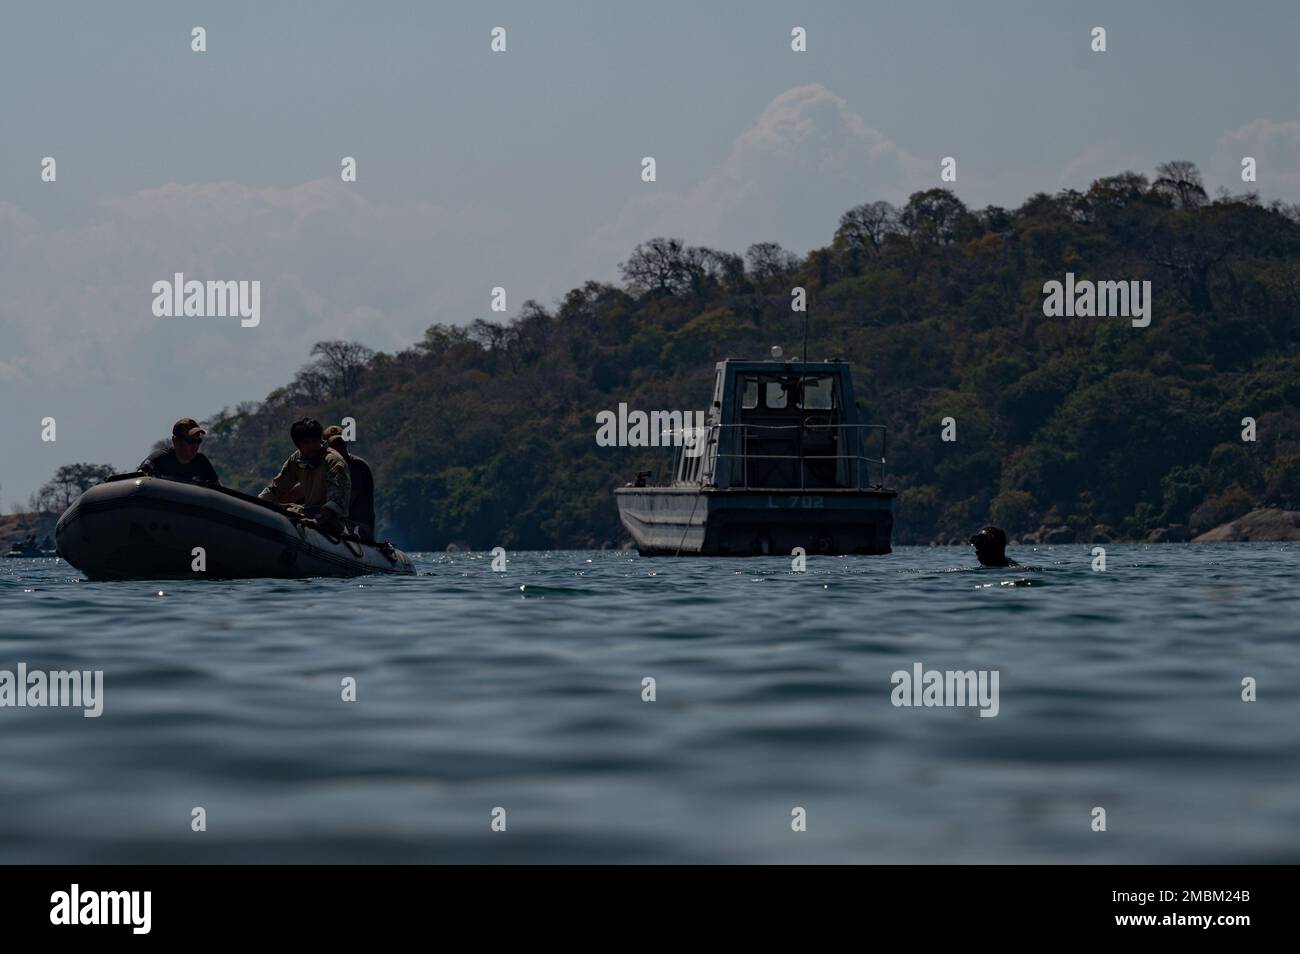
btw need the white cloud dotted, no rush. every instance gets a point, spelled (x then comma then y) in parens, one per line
(788, 178)
(1081, 171)
(331, 264)
(1276, 149)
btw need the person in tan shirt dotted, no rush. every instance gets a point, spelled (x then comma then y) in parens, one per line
(314, 478)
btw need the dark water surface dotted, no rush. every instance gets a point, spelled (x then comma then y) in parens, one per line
(522, 690)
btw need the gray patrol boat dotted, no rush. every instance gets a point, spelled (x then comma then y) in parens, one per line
(783, 462)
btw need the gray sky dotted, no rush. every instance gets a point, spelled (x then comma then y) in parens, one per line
(522, 169)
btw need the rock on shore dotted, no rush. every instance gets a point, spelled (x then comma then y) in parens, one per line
(1266, 525)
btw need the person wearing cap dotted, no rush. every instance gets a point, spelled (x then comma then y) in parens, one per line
(183, 460)
(361, 508)
(314, 477)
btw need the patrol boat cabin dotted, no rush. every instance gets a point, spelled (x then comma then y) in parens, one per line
(783, 462)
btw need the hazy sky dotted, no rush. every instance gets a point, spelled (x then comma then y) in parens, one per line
(522, 169)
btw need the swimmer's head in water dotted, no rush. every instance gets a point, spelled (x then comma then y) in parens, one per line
(991, 547)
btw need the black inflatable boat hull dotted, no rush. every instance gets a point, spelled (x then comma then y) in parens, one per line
(140, 527)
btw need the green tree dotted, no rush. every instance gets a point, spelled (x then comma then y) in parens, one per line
(68, 483)
(1011, 510)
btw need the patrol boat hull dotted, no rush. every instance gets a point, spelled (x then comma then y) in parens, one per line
(142, 527)
(668, 521)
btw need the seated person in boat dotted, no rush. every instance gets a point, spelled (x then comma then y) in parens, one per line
(183, 459)
(361, 508)
(314, 478)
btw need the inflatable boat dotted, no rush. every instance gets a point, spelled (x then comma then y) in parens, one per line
(136, 526)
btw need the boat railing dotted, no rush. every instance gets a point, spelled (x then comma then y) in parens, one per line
(850, 451)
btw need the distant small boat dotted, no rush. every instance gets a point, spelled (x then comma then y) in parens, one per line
(784, 463)
(20, 553)
(135, 526)
(29, 549)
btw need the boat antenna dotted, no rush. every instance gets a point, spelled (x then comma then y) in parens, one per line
(805, 334)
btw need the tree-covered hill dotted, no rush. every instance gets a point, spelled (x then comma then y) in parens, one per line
(485, 434)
